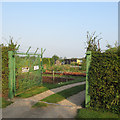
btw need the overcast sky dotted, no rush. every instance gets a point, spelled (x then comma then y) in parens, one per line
(60, 27)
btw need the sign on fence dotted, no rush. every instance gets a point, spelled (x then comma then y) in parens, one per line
(36, 67)
(25, 69)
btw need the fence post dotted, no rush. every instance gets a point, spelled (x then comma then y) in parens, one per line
(88, 60)
(53, 76)
(11, 74)
(41, 64)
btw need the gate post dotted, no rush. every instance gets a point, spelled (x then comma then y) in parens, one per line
(14, 75)
(11, 77)
(88, 60)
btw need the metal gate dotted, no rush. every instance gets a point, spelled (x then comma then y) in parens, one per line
(25, 71)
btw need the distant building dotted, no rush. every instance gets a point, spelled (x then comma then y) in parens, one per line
(75, 60)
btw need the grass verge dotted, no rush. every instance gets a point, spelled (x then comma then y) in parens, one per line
(64, 94)
(88, 113)
(5, 103)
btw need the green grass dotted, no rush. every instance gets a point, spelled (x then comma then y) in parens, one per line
(5, 103)
(88, 113)
(53, 98)
(40, 104)
(46, 86)
(64, 94)
(32, 92)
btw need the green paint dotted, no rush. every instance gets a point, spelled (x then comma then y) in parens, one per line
(36, 51)
(14, 82)
(28, 50)
(11, 74)
(87, 97)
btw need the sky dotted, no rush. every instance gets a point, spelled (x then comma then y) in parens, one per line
(59, 27)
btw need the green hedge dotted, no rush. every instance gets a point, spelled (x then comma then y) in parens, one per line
(5, 71)
(104, 81)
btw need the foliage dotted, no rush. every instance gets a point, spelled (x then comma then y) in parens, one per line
(112, 50)
(54, 58)
(83, 64)
(47, 61)
(93, 42)
(115, 49)
(50, 61)
(119, 51)
(65, 68)
(74, 63)
(11, 47)
(88, 113)
(104, 85)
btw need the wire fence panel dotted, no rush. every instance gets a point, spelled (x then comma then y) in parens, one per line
(28, 71)
(25, 71)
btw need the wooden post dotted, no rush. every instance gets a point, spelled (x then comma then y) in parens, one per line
(88, 60)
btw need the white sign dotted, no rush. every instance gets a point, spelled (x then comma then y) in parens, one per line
(36, 67)
(25, 69)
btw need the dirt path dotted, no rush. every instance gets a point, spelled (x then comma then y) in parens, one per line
(67, 108)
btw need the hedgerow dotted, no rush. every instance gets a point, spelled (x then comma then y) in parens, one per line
(104, 81)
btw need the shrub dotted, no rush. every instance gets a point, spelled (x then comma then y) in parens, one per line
(104, 85)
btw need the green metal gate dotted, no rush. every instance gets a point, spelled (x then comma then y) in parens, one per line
(25, 71)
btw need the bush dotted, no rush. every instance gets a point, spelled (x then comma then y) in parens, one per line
(5, 71)
(104, 85)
